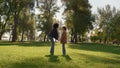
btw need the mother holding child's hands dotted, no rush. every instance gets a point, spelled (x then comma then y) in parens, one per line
(54, 34)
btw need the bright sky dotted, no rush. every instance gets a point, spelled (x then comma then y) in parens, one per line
(59, 15)
(94, 3)
(102, 3)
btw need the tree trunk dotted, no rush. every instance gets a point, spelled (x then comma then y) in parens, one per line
(75, 37)
(32, 36)
(100, 40)
(45, 38)
(79, 38)
(28, 36)
(10, 37)
(72, 36)
(22, 36)
(72, 39)
(105, 40)
(3, 30)
(1, 35)
(14, 32)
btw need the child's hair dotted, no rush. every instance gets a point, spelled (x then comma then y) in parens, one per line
(64, 28)
(55, 25)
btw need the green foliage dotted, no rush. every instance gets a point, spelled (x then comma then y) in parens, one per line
(47, 8)
(95, 38)
(26, 19)
(115, 26)
(108, 20)
(4, 18)
(78, 15)
(12, 9)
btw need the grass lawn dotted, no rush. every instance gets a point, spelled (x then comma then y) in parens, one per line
(36, 55)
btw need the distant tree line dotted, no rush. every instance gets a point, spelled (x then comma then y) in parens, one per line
(108, 23)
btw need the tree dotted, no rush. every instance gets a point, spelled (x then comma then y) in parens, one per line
(48, 8)
(4, 18)
(115, 30)
(107, 19)
(69, 24)
(14, 7)
(81, 16)
(105, 16)
(26, 25)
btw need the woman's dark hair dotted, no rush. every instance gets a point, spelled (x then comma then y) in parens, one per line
(55, 25)
(64, 27)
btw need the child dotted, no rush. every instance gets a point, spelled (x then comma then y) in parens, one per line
(63, 40)
(53, 34)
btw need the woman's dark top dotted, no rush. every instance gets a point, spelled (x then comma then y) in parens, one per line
(54, 34)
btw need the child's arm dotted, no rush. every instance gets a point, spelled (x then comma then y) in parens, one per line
(55, 34)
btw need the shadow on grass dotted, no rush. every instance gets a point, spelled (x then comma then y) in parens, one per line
(35, 63)
(67, 57)
(96, 47)
(6, 43)
(53, 58)
(98, 59)
(39, 63)
(32, 63)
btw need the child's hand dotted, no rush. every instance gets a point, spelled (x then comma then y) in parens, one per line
(59, 39)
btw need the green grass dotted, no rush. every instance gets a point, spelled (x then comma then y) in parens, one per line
(36, 55)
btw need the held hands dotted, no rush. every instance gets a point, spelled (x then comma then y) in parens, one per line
(57, 40)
